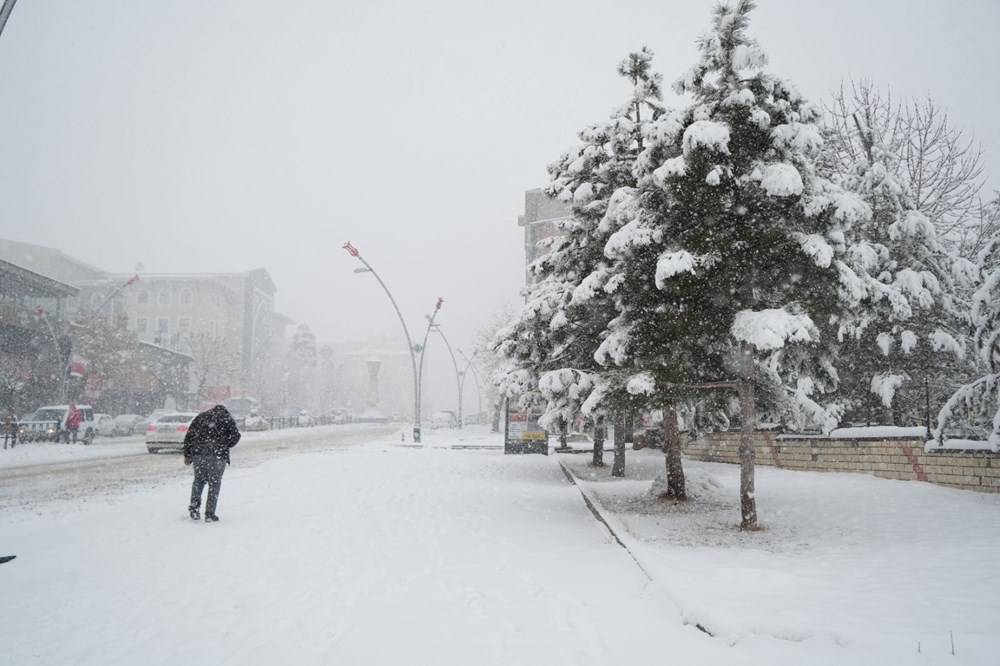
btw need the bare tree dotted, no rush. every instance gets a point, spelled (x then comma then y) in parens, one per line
(941, 167)
(216, 361)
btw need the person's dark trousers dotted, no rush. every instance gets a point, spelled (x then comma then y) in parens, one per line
(207, 469)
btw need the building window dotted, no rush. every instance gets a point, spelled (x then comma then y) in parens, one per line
(95, 301)
(184, 325)
(117, 307)
(185, 297)
(143, 297)
(164, 297)
(141, 325)
(163, 325)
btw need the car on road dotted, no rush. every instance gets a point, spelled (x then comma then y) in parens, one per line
(126, 424)
(255, 422)
(104, 425)
(444, 419)
(168, 431)
(49, 424)
(157, 413)
(305, 419)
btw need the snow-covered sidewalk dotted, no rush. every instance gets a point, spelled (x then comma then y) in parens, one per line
(391, 554)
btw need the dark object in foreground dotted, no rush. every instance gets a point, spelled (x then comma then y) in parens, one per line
(6, 558)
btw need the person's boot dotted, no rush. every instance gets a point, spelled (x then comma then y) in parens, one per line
(211, 518)
(195, 515)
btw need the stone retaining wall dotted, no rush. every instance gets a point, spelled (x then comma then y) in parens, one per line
(897, 458)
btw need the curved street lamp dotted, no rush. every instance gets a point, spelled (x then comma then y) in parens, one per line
(353, 251)
(475, 377)
(458, 375)
(423, 347)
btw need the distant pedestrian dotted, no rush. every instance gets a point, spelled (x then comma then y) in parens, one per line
(73, 417)
(10, 427)
(206, 446)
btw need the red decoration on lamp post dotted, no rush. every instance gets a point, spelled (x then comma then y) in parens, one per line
(351, 250)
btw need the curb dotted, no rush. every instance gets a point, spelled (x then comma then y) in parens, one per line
(600, 517)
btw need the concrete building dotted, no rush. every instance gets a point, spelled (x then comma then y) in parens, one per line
(542, 219)
(171, 311)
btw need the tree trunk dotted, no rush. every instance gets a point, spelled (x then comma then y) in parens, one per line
(672, 455)
(497, 410)
(748, 418)
(618, 466)
(630, 428)
(598, 460)
(563, 433)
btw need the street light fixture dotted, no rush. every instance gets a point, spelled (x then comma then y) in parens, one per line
(458, 375)
(475, 377)
(353, 251)
(423, 347)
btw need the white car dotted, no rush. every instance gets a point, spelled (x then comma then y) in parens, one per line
(255, 422)
(444, 419)
(127, 424)
(157, 413)
(49, 423)
(305, 420)
(168, 431)
(104, 425)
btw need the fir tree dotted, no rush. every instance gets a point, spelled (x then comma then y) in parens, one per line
(725, 257)
(981, 397)
(550, 344)
(914, 298)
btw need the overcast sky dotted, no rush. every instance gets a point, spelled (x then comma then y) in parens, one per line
(227, 135)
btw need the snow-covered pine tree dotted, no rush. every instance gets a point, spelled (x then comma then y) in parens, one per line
(551, 342)
(726, 256)
(981, 397)
(912, 325)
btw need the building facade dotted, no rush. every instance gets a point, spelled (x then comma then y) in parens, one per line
(544, 218)
(203, 316)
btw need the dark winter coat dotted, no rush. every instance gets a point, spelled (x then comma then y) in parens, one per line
(212, 432)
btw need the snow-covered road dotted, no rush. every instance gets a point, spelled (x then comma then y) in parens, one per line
(41, 471)
(370, 555)
(383, 553)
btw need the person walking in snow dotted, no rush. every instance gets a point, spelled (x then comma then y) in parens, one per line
(73, 417)
(206, 446)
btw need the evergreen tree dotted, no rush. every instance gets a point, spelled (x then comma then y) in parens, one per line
(915, 291)
(981, 397)
(551, 342)
(726, 255)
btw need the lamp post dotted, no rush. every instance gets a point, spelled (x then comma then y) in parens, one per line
(353, 251)
(5, 10)
(40, 311)
(128, 283)
(475, 376)
(423, 347)
(458, 375)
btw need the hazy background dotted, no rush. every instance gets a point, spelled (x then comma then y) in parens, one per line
(197, 136)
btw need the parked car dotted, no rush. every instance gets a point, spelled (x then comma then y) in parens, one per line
(104, 425)
(49, 423)
(127, 424)
(168, 431)
(255, 422)
(305, 420)
(444, 419)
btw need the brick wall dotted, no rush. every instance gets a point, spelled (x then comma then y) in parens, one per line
(898, 458)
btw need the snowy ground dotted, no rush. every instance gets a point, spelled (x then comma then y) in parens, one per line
(452, 553)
